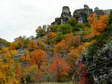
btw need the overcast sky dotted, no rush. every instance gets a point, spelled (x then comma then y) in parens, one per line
(22, 17)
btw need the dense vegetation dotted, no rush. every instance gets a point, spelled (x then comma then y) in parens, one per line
(54, 54)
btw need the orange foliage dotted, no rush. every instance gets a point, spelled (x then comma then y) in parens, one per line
(89, 35)
(75, 53)
(69, 36)
(72, 40)
(18, 71)
(13, 45)
(40, 75)
(52, 35)
(59, 67)
(2, 75)
(60, 47)
(98, 24)
(32, 44)
(59, 63)
(38, 57)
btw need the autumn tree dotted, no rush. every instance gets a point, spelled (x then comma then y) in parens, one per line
(13, 45)
(59, 68)
(39, 57)
(51, 37)
(20, 41)
(32, 44)
(99, 24)
(18, 71)
(76, 52)
(61, 48)
(72, 40)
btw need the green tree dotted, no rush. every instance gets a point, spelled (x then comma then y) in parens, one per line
(65, 28)
(72, 21)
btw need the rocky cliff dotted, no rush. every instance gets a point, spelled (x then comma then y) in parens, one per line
(80, 14)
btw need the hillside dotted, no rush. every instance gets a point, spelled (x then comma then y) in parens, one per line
(74, 48)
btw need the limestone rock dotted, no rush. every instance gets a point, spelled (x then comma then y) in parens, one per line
(65, 15)
(82, 14)
(65, 12)
(98, 11)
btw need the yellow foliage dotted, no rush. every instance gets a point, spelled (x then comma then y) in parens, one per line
(32, 44)
(5, 50)
(13, 81)
(75, 53)
(13, 45)
(2, 75)
(41, 44)
(13, 52)
(52, 35)
(59, 47)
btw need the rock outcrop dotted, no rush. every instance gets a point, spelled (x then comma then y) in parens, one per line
(98, 11)
(82, 14)
(101, 12)
(65, 15)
